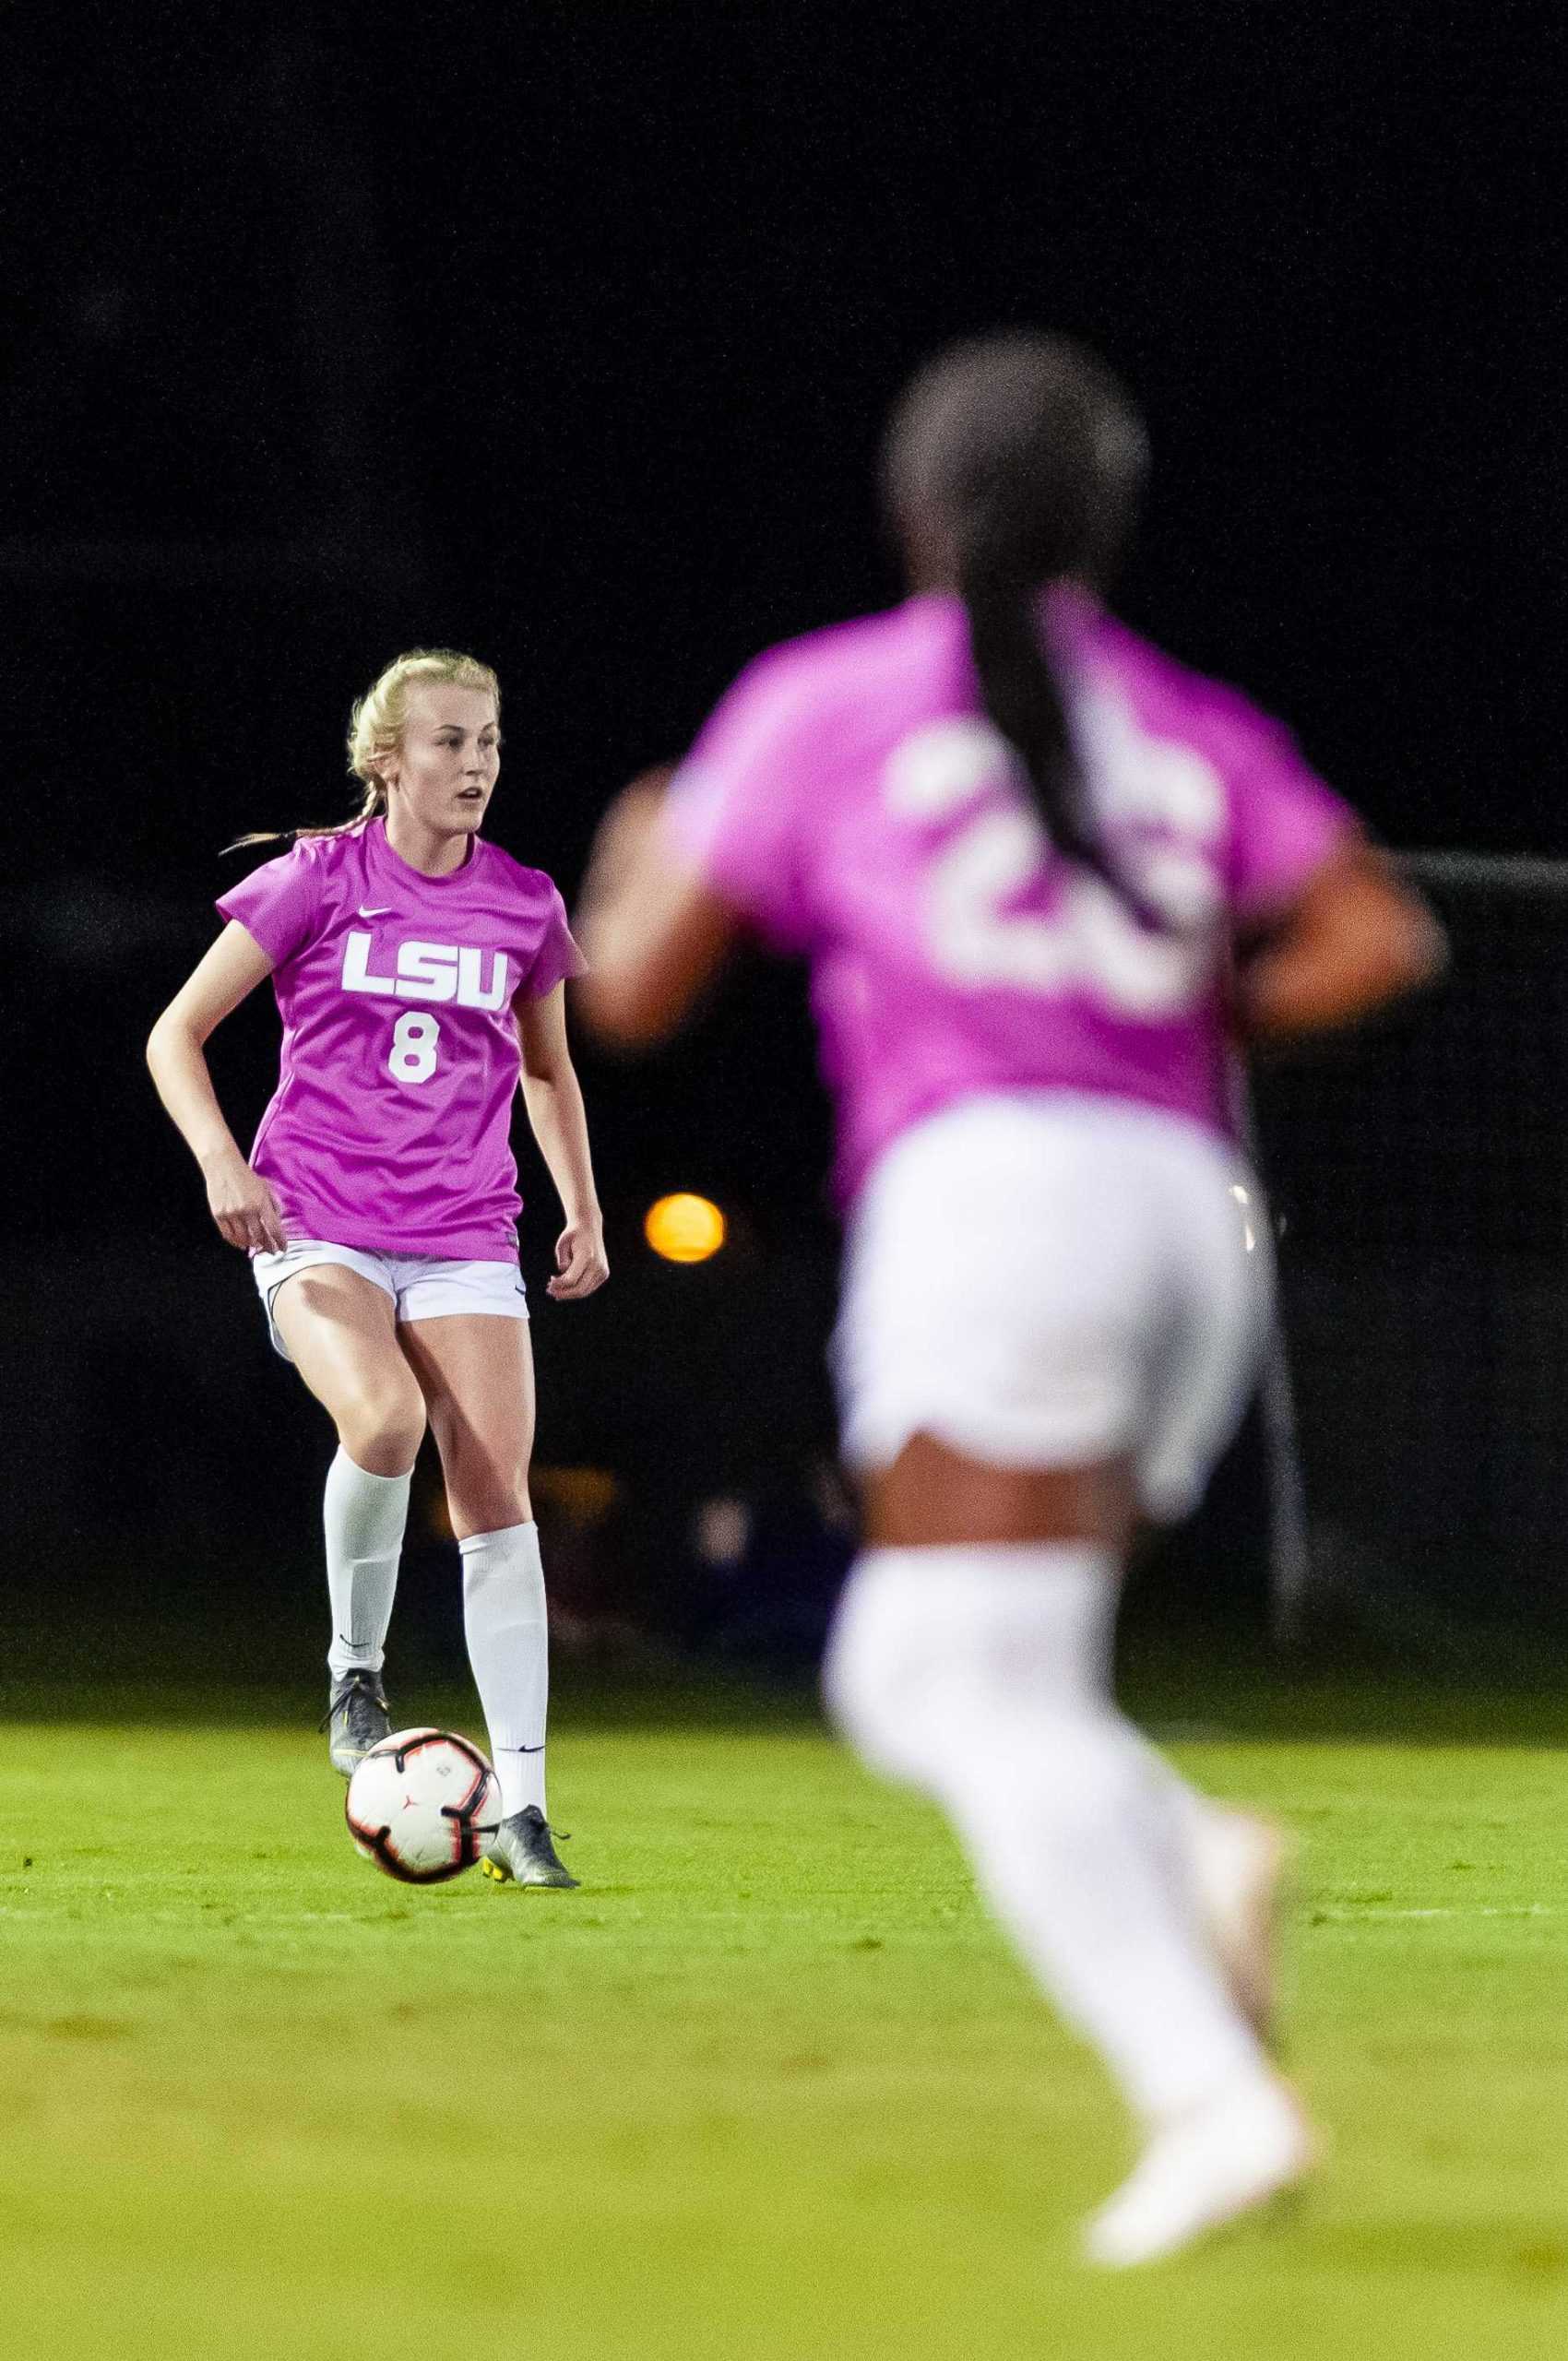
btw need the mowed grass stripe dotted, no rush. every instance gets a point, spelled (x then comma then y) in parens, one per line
(769, 2085)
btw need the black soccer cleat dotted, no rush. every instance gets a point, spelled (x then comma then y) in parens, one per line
(521, 1852)
(356, 1719)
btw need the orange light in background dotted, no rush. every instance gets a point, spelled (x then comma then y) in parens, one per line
(685, 1228)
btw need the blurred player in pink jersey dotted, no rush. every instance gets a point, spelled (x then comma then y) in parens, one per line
(420, 974)
(1043, 876)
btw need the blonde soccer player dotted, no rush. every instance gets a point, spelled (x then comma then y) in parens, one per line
(420, 974)
(1020, 847)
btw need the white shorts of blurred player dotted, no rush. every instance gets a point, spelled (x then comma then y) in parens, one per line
(1054, 1280)
(420, 1286)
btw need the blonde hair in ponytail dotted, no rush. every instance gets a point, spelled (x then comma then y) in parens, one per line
(375, 728)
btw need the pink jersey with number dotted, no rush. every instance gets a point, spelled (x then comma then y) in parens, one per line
(849, 798)
(389, 1128)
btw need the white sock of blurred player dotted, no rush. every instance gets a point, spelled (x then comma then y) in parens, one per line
(505, 1624)
(363, 1516)
(982, 1674)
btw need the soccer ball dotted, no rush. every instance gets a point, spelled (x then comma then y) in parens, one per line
(421, 1805)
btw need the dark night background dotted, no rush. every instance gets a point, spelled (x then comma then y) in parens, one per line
(563, 333)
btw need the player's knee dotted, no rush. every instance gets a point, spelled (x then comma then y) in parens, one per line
(487, 1490)
(494, 1510)
(381, 1433)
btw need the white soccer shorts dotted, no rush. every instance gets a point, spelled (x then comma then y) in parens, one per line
(1053, 1280)
(422, 1287)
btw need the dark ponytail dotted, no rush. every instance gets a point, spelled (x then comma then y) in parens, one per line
(1022, 455)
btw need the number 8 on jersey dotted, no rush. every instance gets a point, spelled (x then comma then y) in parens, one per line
(415, 1038)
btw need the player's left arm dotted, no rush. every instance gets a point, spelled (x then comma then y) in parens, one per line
(558, 1122)
(1356, 937)
(654, 934)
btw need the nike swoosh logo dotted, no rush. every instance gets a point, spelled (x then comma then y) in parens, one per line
(383, 912)
(521, 1750)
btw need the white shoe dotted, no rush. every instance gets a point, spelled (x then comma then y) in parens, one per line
(1241, 1867)
(1243, 2148)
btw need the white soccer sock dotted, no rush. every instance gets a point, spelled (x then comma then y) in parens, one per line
(982, 1673)
(363, 1516)
(503, 1617)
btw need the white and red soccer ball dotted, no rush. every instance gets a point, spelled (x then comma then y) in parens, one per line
(423, 1806)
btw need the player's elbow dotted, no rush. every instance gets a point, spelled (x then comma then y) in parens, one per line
(1391, 946)
(1362, 942)
(177, 1043)
(157, 1044)
(1414, 951)
(621, 1007)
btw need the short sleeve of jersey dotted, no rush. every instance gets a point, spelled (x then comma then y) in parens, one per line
(557, 956)
(735, 806)
(277, 903)
(1286, 824)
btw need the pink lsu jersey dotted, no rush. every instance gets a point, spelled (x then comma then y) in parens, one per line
(850, 801)
(390, 1126)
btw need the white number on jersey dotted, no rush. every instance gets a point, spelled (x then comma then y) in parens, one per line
(1090, 942)
(415, 1038)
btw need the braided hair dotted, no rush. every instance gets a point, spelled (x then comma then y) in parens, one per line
(1024, 457)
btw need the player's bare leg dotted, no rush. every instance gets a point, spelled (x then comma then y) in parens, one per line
(476, 1374)
(973, 1658)
(1241, 1865)
(339, 1329)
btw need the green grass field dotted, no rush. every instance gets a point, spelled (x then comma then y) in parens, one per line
(767, 2086)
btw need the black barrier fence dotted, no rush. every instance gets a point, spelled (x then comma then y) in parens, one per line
(1419, 1178)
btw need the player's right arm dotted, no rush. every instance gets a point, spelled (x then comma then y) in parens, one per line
(685, 863)
(655, 936)
(241, 1203)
